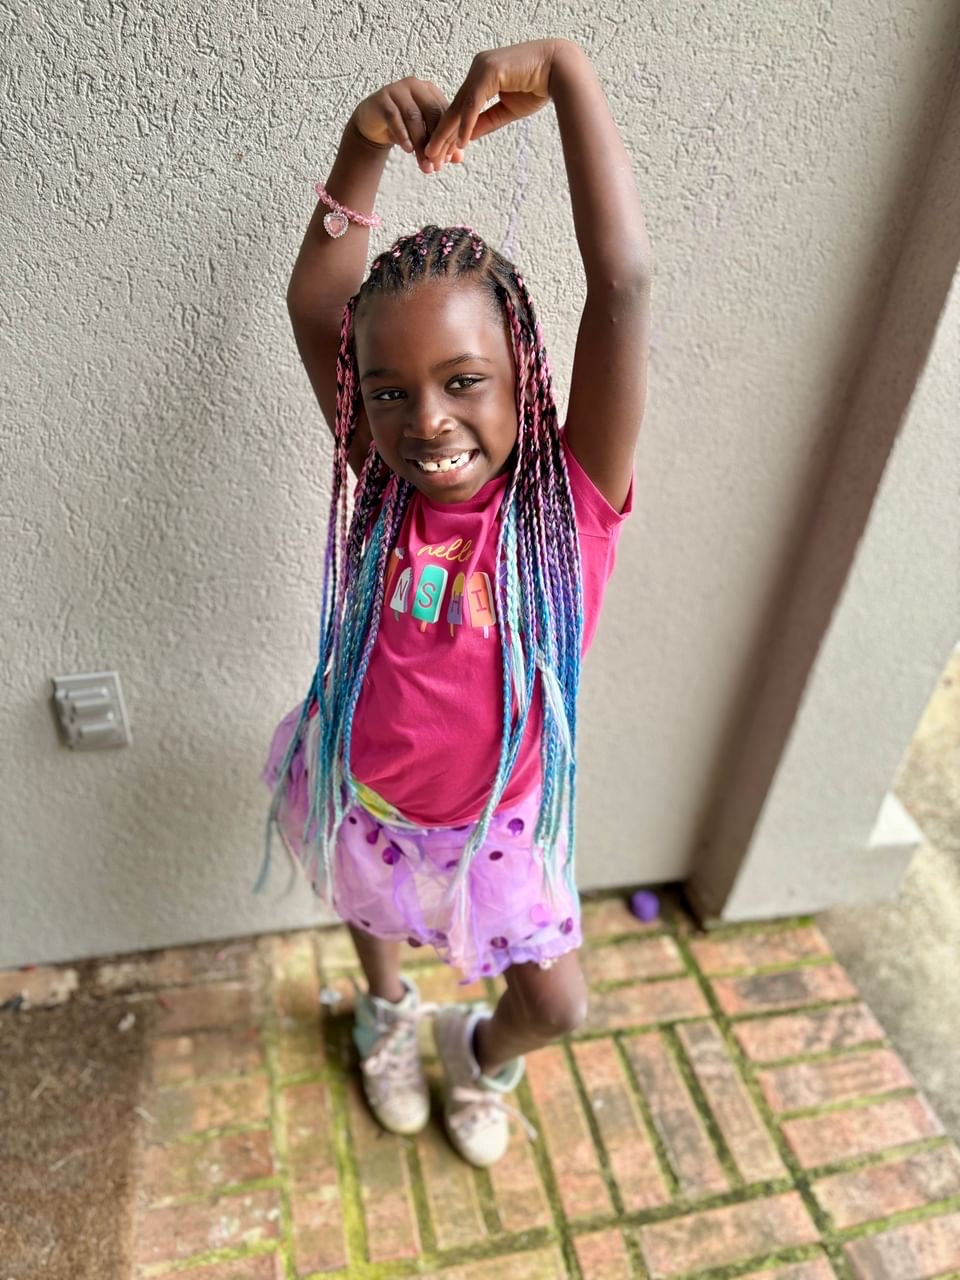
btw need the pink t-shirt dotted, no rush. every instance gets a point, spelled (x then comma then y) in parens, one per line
(428, 723)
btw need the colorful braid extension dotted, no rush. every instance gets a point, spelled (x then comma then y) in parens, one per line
(537, 579)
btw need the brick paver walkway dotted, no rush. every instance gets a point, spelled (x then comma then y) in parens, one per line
(731, 1109)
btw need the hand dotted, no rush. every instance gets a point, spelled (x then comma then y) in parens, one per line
(519, 75)
(406, 113)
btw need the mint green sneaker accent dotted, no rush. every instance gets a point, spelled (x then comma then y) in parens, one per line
(385, 1036)
(370, 1014)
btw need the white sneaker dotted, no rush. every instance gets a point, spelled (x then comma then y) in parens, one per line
(474, 1109)
(385, 1035)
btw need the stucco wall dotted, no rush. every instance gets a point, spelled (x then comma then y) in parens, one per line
(164, 471)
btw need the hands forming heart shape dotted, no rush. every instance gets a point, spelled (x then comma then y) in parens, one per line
(415, 115)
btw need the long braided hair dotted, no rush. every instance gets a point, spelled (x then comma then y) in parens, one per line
(537, 578)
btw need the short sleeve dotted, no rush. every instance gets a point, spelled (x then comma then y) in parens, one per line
(595, 515)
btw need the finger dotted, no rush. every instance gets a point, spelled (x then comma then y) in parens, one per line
(396, 124)
(482, 84)
(416, 127)
(432, 105)
(494, 117)
(456, 125)
(440, 134)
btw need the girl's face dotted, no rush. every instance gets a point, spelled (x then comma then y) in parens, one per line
(438, 380)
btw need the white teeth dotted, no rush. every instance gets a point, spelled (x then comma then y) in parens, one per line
(445, 464)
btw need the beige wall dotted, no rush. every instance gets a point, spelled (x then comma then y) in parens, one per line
(164, 471)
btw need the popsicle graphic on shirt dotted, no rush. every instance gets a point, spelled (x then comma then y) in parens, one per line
(399, 602)
(429, 597)
(396, 556)
(455, 607)
(480, 600)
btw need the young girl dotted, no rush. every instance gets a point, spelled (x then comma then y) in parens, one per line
(426, 782)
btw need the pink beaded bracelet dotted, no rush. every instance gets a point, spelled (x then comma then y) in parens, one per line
(339, 218)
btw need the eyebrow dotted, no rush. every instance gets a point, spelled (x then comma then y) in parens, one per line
(444, 364)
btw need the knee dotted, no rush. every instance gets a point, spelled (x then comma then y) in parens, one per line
(559, 1012)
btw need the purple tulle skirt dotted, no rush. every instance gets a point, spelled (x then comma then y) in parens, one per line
(392, 878)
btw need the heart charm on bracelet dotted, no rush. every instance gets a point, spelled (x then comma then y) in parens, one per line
(335, 224)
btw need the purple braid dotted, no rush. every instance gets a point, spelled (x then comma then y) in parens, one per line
(537, 579)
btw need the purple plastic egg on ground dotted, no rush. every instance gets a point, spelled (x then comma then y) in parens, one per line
(645, 905)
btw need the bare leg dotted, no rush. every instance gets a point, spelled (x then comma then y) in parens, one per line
(539, 1005)
(380, 961)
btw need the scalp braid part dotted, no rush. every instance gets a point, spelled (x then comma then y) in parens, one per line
(537, 580)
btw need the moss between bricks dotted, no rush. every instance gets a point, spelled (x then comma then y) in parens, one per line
(562, 1231)
(336, 1036)
(848, 1104)
(548, 1181)
(189, 1265)
(278, 1124)
(783, 1257)
(803, 1179)
(593, 1128)
(659, 1147)
(743, 1065)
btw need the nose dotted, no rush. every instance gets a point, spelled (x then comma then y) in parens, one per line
(426, 419)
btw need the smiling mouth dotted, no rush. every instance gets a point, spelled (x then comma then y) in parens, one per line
(453, 463)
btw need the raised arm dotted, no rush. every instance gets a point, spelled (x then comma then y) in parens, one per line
(608, 383)
(609, 379)
(329, 271)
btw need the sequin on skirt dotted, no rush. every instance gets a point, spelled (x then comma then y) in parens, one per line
(392, 877)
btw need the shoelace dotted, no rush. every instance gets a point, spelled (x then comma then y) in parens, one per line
(492, 1101)
(388, 1056)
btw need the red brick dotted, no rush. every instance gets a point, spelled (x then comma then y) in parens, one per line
(336, 950)
(441, 984)
(176, 1112)
(216, 1004)
(566, 1134)
(536, 1264)
(629, 1149)
(842, 1027)
(261, 1266)
(603, 1256)
(451, 1190)
(318, 1243)
(181, 1231)
(675, 1117)
(185, 1168)
(759, 950)
(720, 1237)
(816, 1269)
(914, 1252)
(866, 1195)
(517, 1190)
(608, 917)
(815, 1084)
(42, 986)
(645, 1003)
(388, 1208)
(310, 1153)
(177, 967)
(299, 1050)
(860, 1131)
(782, 990)
(743, 1130)
(177, 1059)
(294, 981)
(632, 960)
